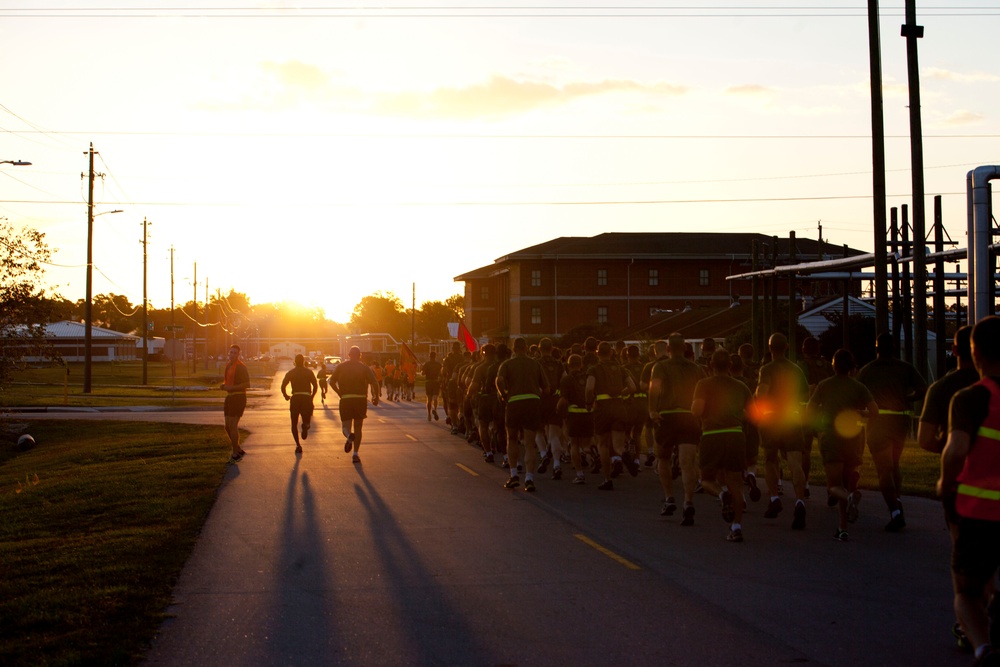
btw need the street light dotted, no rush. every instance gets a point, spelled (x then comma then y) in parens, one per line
(16, 163)
(88, 308)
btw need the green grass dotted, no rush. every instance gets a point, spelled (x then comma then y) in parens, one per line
(120, 383)
(920, 471)
(95, 526)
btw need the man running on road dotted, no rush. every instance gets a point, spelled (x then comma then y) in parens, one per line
(300, 402)
(351, 380)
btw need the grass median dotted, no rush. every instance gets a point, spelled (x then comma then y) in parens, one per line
(96, 523)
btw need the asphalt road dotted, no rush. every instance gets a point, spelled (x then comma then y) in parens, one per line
(418, 556)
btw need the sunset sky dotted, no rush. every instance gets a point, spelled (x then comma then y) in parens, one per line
(306, 152)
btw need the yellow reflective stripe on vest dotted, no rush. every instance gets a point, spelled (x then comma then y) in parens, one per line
(674, 411)
(301, 393)
(735, 429)
(987, 432)
(978, 492)
(578, 410)
(638, 395)
(894, 412)
(521, 397)
(605, 397)
(354, 396)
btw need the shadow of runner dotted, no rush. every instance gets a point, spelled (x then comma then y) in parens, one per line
(436, 630)
(307, 625)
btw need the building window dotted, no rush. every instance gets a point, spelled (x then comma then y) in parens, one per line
(536, 315)
(602, 315)
(485, 292)
(703, 277)
(654, 277)
(536, 278)
(602, 276)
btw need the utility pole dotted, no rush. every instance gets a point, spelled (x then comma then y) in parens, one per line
(206, 323)
(413, 316)
(145, 302)
(878, 171)
(912, 32)
(173, 331)
(88, 307)
(194, 329)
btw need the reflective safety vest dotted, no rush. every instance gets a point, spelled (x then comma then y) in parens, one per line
(979, 482)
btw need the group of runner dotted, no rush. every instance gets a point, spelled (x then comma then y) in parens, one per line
(398, 382)
(606, 408)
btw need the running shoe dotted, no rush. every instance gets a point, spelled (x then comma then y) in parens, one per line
(234, 459)
(298, 449)
(506, 464)
(964, 644)
(596, 466)
(512, 483)
(428, 417)
(488, 457)
(688, 519)
(544, 465)
(699, 488)
(896, 524)
(669, 507)
(799, 517)
(529, 485)
(735, 535)
(728, 513)
(435, 413)
(557, 473)
(606, 485)
(355, 458)
(631, 465)
(773, 509)
(579, 480)
(754, 490)
(349, 444)
(650, 458)
(840, 535)
(852, 506)
(616, 468)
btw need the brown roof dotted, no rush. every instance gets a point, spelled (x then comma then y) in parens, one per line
(663, 245)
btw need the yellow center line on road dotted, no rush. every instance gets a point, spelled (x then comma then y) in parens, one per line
(468, 470)
(607, 552)
(411, 437)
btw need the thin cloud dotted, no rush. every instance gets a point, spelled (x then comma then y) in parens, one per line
(751, 90)
(281, 86)
(940, 74)
(963, 117)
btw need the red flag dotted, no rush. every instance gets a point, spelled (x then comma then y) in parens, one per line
(466, 337)
(408, 362)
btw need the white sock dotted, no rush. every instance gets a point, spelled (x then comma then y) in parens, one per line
(737, 526)
(773, 498)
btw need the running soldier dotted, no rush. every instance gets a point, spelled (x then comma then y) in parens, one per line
(578, 417)
(521, 383)
(550, 440)
(351, 380)
(432, 385)
(895, 384)
(607, 383)
(300, 402)
(671, 394)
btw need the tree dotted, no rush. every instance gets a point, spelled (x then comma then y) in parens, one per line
(433, 318)
(457, 303)
(24, 310)
(115, 312)
(381, 313)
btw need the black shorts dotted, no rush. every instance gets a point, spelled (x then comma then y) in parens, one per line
(580, 425)
(609, 415)
(301, 406)
(235, 405)
(353, 408)
(486, 407)
(887, 431)
(433, 388)
(722, 451)
(550, 416)
(975, 553)
(676, 428)
(784, 440)
(836, 449)
(524, 414)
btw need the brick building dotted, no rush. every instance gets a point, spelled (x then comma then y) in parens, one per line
(621, 279)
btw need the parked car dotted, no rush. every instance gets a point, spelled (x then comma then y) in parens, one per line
(331, 362)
